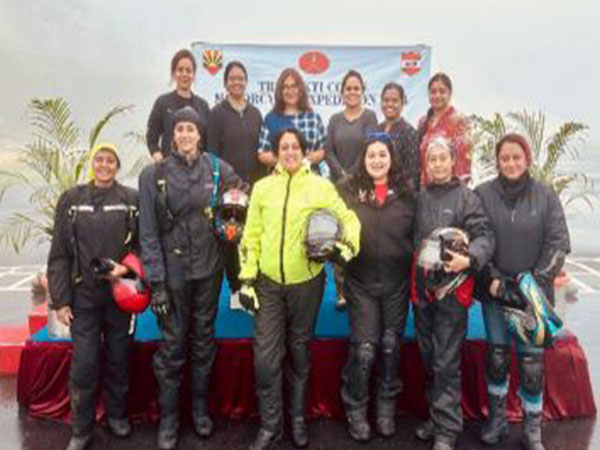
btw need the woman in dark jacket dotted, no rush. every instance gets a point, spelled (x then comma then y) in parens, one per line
(183, 261)
(376, 284)
(531, 235)
(441, 318)
(159, 134)
(94, 220)
(403, 134)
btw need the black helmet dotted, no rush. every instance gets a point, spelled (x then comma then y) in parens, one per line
(431, 257)
(229, 215)
(323, 231)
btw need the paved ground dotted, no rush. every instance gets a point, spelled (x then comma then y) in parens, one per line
(18, 431)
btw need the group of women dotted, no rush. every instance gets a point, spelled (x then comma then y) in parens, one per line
(394, 186)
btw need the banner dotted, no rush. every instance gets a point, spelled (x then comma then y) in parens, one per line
(322, 68)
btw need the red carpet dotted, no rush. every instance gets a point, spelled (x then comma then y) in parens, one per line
(43, 377)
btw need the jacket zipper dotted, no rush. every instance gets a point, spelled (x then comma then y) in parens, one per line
(282, 243)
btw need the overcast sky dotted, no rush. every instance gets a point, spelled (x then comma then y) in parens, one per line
(502, 55)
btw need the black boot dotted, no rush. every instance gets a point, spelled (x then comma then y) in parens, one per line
(532, 431)
(497, 425)
(443, 443)
(266, 440)
(79, 442)
(203, 425)
(299, 432)
(424, 432)
(358, 426)
(121, 428)
(167, 433)
(386, 417)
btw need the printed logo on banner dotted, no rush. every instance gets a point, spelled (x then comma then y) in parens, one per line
(212, 60)
(313, 62)
(411, 63)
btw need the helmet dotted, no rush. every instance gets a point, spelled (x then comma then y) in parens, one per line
(323, 231)
(229, 215)
(535, 323)
(132, 293)
(431, 257)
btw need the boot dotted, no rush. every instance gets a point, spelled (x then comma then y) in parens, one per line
(443, 443)
(204, 426)
(358, 426)
(532, 431)
(497, 425)
(167, 433)
(79, 442)
(299, 432)
(121, 428)
(424, 432)
(386, 420)
(266, 440)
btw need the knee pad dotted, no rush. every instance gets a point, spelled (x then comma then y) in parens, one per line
(497, 364)
(365, 353)
(389, 341)
(531, 368)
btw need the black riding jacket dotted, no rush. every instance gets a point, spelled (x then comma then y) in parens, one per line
(190, 249)
(531, 235)
(90, 222)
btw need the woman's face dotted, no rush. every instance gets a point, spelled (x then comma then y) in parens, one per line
(290, 92)
(186, 137)
(439, 96)
(512, 160)
(378, 161)
(236, 82)
(290, 153)
(439, 164)
(352, 93)
(391, 104)
(184, 74)
(106, 166)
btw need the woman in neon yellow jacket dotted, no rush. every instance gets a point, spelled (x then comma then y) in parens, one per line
(281, 285)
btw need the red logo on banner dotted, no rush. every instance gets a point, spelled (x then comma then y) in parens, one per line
(313, 62)
(212, 60)
(411, 63)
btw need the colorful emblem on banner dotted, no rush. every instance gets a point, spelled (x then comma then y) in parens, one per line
(314, 62)
(411, 63)
(212, 60)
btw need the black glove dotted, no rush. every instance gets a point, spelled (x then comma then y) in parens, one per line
(249, 299)
(159, 299)
(509, 294)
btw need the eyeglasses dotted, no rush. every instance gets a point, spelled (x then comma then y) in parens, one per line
(290, 87)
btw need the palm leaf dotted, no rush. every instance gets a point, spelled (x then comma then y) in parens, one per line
(97, 129)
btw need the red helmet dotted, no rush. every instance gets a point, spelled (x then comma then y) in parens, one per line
(132, 292)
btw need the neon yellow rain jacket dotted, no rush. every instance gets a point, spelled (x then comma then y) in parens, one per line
(274, 232)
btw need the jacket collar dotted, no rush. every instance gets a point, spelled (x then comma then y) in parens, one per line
(303, 170)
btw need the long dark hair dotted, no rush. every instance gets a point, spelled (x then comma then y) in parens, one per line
(446, 81)
(360, 180)
(303, 103)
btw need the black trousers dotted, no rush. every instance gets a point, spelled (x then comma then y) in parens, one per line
(286, 318)
(94, 329)
(188, 332)
(441, 327)
(377, 323)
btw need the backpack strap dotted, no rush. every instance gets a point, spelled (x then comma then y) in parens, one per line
(164, 213)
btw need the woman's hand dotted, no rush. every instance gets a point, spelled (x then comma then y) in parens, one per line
(458, 263)
(118, 271)
(65, 315)
(494, 287)
(157, 156)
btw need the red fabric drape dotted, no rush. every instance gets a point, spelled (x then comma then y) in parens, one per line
(43, 380)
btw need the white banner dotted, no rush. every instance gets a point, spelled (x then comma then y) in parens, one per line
(322, 68)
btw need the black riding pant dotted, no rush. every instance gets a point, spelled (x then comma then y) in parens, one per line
(286, 318)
